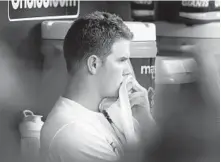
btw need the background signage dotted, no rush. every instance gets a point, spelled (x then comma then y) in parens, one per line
(21, 10)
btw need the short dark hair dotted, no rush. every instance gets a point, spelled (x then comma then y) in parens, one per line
(93, 34)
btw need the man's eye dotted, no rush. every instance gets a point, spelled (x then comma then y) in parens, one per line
(123, 59)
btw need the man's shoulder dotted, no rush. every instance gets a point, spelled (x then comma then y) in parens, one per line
(71, 133)
(74, 131)
(78, 137)
(79, 132)
(57, 119)
(60, 130)
(70, 136)
(80, 141)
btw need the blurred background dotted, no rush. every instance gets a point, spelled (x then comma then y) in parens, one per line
(187, 83)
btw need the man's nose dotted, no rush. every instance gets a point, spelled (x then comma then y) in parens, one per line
(128, 69)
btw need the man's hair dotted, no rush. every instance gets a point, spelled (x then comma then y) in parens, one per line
(93, 34)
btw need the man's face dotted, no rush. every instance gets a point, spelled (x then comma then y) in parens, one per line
(115, 68)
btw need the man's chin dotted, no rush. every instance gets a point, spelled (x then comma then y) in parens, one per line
(115, 95)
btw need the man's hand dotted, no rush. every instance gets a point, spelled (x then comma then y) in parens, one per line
(139, 101)
(141, 109)
(148, 129)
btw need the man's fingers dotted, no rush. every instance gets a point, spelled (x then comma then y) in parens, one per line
(137, 98)
(129, 86)
(137, 87)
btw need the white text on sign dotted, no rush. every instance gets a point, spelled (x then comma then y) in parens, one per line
(29, 4)
(145, 69)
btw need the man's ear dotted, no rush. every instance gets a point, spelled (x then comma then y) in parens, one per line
(93, 64)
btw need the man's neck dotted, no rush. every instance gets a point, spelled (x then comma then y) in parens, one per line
(83, 94)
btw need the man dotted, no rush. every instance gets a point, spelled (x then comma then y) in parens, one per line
(96, 50)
